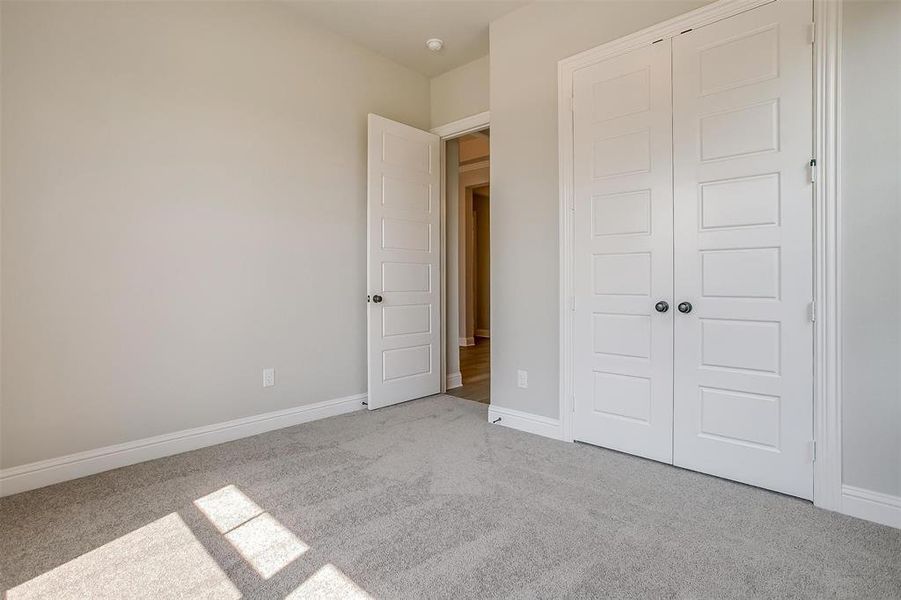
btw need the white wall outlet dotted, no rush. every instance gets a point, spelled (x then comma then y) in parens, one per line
(522, 378)
(268, 377)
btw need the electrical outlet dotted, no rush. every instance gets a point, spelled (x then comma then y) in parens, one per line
(268, 377)
(522, 378)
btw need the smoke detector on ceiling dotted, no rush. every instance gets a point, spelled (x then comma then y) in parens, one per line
(434, 44)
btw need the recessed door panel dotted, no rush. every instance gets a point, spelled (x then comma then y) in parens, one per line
(401, 150)
(740, 418)
(740, 273)
(621, 96)
(621, 214)
(748, 58)
(741, 345)
(406, 277)
(406, 319)
(622, 155)
(740, 202)
(622, 369)
(740, 131)
(622, 274)
(743, 248)
(622, 335)
(409, 195)
(403, 234)
(403, 363)
(623, 396)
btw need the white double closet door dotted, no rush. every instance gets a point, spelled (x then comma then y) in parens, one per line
(692, 187)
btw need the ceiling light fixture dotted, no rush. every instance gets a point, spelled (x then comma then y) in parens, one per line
(434, 44)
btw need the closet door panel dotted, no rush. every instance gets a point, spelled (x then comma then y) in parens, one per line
(742, 139)
(622, 368)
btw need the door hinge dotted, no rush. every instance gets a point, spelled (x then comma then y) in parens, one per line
(811, 33)
(572, 403)
(812, 170)
(812, 312)
(572, 303)
(812, 449)
(572, 104)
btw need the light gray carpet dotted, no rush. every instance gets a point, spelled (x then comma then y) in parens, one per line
(427, 500)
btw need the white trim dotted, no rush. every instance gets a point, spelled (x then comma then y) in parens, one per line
(454, 380)
(55, 470)
(467, 341)
(827, 405)
(462, 126)
(482, 164)
(827, 342)
(523, 421)
(483, 333)
(872, 506)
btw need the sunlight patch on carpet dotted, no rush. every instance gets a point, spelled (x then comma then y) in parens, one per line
(266, 544)
(329, 583)
(162, 559)
(227, 508)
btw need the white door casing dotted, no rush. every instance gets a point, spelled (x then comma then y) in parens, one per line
(742, 139)
(403, 211)
(622, 183)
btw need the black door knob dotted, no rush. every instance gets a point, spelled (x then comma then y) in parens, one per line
(376, 298)
(684, 307)
(661, 307)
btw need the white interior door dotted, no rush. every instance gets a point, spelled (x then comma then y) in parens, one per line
(623, 253)
(404, 328)
(742, 139)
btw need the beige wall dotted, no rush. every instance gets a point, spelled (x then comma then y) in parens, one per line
(183, 192)
(460, 92)
(525, 47)
(871, 247)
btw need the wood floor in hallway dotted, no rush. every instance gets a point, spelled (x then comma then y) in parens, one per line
(475, 365)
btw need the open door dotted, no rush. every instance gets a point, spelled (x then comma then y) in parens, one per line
(404, 327)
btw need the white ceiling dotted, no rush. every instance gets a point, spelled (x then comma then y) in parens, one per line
(398, 29)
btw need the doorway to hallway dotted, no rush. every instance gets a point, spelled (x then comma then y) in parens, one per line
(469, 247)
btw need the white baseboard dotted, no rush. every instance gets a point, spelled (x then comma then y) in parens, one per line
(55, 470)
(527, 422)
(454, 380)
(467, 341)
(485, 333)
(872, 506)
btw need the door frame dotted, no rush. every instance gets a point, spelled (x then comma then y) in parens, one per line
(446, 132)
(826, 34)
